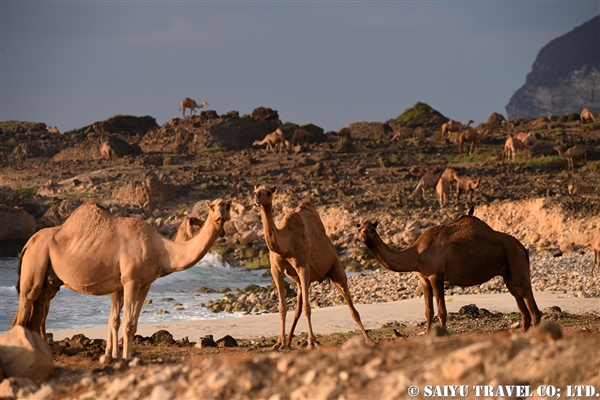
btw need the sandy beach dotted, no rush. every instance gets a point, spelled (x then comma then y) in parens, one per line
(338, 318)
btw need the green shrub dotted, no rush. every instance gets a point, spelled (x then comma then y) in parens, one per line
(27, 192)
(419, 111)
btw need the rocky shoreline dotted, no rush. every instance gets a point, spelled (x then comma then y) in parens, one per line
(565, 273)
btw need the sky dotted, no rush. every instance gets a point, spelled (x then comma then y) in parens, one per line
(72, 63)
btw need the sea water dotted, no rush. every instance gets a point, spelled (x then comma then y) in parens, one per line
(71, 310)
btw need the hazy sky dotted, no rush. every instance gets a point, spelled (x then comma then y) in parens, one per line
(72, 63)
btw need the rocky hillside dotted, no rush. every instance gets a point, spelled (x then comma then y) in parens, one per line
(565, 76)
(161, 173)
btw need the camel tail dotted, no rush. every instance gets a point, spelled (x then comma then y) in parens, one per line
(19, 271)
(518, 264)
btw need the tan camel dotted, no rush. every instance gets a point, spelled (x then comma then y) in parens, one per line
(453, 127)
(511, 147)
(273, 140)
(106, 151)
(596, 247)
(52, 130)
(574, 153)
(300, 137)
(427, 182)
(442, 190)
(467, 185)
(97, 253)
(527, 138)
(465, 252)
(299, 248)
(402, 133)
(191, 104)
(586, 115)
(496, 118)
(190, 226)
(472, 136)
(541, 120)
(449, 175)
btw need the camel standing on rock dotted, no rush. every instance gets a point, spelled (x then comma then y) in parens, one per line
(470, 135)
(275, 139)
(528, 138)
(453, 127)
(52, 130)
(511, 147)
(191, 104)
(496, 118)
(427, 182)
(299, 248)
(465, 252)
(106, 151)
(586, 115)
(190, 227)
(467, 185)
(300, 137)
(442, 190)
(449, 175)
(596, 247)
(574, 153)
(97, 253)
(403, 132)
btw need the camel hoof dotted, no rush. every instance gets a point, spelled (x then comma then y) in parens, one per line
(280, 346)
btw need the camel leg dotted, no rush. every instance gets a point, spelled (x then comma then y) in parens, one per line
(279, 283)
(297, 314)
(114, 321)
(304, 275)
(339, 279)
(525, 316)
(438, 291)
(139, 304)
(131, 290)
(32, 274)
(41, 307)
(428, 296)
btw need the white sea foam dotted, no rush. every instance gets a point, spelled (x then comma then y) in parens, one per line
(180, 288)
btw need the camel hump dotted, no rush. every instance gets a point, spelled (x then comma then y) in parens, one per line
(306, 205)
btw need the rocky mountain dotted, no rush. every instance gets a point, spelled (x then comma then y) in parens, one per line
(565, 76)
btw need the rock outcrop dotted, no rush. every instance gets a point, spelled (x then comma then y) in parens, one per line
(25, 354)
(565, 76)
(16, 223)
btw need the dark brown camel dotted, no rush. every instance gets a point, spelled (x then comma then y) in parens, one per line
(465, 252)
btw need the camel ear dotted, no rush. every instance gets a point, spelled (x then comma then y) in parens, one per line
(273, 189)
(255, 187)
(208, 204)
(228, 204)
(375, 224)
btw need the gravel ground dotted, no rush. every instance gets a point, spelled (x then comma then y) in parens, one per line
(568, 273)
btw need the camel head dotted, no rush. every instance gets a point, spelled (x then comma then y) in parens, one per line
(263, 195)
(367, 231)
(219, 211)
(204, 104)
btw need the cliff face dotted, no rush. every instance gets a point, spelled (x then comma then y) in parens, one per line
(565, 76)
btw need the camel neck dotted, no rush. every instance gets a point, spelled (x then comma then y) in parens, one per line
(187, 254)
(395, 260)
(271, 231)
